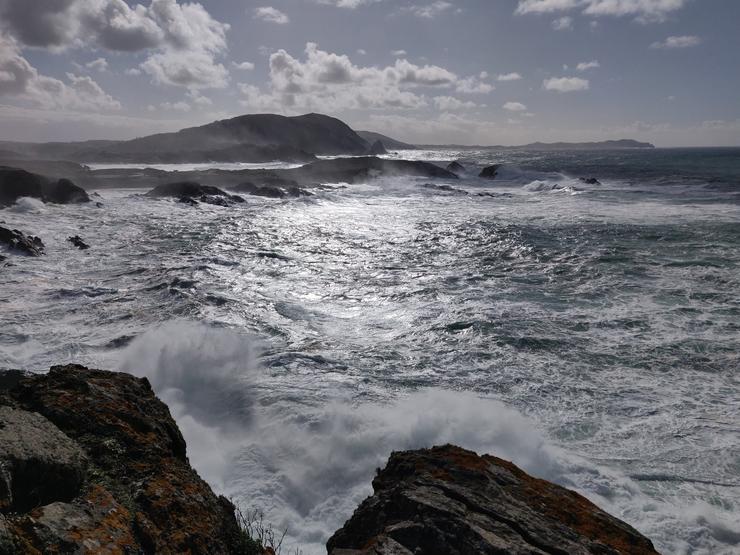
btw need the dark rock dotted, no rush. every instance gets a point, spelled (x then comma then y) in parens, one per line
(140, 494)
(17, 241)
(272, 190)
(489, 172)
(447, 500)
(187, 191)
(589, 180)
(376, 149)
(16, 183)
(455, 167)
(38, 463)
(99, 205)
(353, 170)
(78, 242)
(445, 188)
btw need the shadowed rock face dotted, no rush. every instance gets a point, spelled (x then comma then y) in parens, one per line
(16, 183)
(352, 170)
(455, 167)
(137, 492)
(377, 148)
(490, 172)
(449, 501)
(189, 191)
(16, 241)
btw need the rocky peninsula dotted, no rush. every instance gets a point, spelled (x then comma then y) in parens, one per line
(92, 462)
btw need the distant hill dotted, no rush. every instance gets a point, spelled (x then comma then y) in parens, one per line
(621, 144)
(388, 143)
(249, 138)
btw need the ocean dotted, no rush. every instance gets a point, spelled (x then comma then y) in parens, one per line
(589, 333)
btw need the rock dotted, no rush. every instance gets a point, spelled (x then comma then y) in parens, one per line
(376, 149)
(353, 170)
(272, 191)
(188, 200)
(445, 188)
(187, 191)
(451, 501)
(17, 241)
(16, 183)
(38, 463)
(489, 172)
(589, 180)
(78, 242)
(455, 167)
(140, 494)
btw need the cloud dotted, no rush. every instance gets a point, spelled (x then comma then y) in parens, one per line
(509, 77)
(175, 106)
(18, 78)
(398, 53)
(644, 11)
(565, 84)
(684, 41)
(428, 11)
(564, 23)
(326, 81)
(170, 32)
(244, 66)
(515, 107)
(448, 103)
(585, 66)
(100, 64)
(273, 15)
(349, 4)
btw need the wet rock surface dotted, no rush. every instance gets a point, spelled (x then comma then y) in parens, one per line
(455, 167)
(489, 172)
(193, 193)
(16, 183)
(138, 493)
(447, 500)
(78, 242)
(17, 242)
(271, 190)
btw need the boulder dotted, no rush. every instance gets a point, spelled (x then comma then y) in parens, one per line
(455, 167)
(376, 149)
(38, 463)
(447, 500)
(78, 242)
(489, 172)
(140, 494)
(18, 242)
(16, 183)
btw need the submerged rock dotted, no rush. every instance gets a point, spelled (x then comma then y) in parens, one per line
(17, 241)
(16, 183)
(490, 172)
(589, 180)
(447, 500)
(444, 188)
(272, 191)
(139, 493)
(78, 242)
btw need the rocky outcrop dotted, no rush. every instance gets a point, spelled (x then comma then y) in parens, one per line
(450, 501)
(444, 188)
(78, 242)
(352, 170)
(191, 192)
(489, 172)
(16, 183)
(455, 167)
(18, 242)
(92, 462)
(271, 191)
(376, 149)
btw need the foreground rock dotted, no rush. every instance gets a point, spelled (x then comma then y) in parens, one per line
(16, 183)
(96, 464)
(190, 192)
(490, 172)
(447, 500)
(16, 241)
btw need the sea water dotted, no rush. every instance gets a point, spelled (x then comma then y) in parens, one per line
(589, 333)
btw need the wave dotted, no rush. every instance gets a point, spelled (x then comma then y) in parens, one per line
(307, 461)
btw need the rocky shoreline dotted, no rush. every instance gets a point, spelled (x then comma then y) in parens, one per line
(92, 462)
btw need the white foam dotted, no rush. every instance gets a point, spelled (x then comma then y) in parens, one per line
(26, 205)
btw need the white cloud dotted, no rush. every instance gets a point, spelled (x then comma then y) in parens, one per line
(684, 41)
(429, 11)
(448, 103)
(175, 106)
(362, 51)
(349, 4)
(273, 15)
(509, 77)
(564, 23)
(585, 66)
(133, 71)
(474, 85)
(244, 66)
(198, 99)
(194, 70)
(398, 53)
(515, 107)
(99, 64)
(18, 78)
(566, 84)
(644, 11)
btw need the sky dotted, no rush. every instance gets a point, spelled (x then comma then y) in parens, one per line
(424, 71)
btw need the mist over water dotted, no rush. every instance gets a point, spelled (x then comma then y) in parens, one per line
(588, 333)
